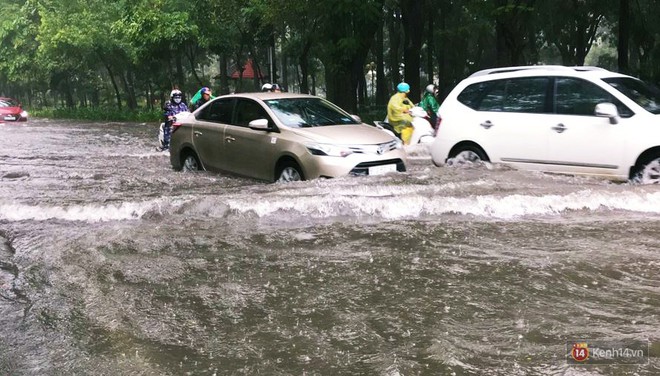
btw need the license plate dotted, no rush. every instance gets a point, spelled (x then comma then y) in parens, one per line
(380, 170)
(9, 117)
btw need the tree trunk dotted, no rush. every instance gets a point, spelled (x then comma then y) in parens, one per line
(381, 85)
(341, 90)
(224, 80)
(429, 45)
(284, 73)
(500, 46)
(304, 67)
(181, 80)
(273, 75)
(313, 84)
(256, 68)
(361, 90)
(130, 96)
(114, 83)
(624, 36)
(190, 54)
(411, 11)
(68, 94)
(442, 65)
(393, 22)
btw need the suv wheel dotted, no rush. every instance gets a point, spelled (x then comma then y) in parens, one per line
(468, 153)
(649, 173)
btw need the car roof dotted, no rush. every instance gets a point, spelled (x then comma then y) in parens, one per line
(267, 95)
(549, 70)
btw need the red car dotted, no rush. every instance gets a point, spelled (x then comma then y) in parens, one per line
(11, 110)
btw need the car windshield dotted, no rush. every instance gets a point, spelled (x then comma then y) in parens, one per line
(647, 96)
(5, 102)
(308, 112)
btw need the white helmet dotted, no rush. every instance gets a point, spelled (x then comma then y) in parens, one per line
(175, 96)
(267, 87)
(430, 88)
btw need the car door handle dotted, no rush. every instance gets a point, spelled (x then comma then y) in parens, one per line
(197, 133)
(487, 124)
(229, 139)
(559, 128)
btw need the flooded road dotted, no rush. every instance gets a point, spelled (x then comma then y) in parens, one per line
(111, 263)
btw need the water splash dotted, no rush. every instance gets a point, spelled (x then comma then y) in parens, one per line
(88, 212)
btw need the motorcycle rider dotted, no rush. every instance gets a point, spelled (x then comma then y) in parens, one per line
(430, 104)
(171, 108)
(398, 112)
(203, 95)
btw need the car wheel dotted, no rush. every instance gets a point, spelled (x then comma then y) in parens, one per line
(191, 162)
(649, 173)
(289, 172)
(468, 153)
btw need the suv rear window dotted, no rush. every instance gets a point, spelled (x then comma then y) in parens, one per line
(527, 94)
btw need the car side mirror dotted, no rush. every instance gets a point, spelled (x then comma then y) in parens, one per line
(259, 125)
(357, 118)
(607, 110)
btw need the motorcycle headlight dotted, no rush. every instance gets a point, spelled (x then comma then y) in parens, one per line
(399, 143)
(329, 150)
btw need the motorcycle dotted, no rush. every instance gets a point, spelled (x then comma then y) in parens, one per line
(174, 124)
(423, 132)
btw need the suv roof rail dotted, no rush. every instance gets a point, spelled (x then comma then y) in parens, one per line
(586, 68)
(485, 72)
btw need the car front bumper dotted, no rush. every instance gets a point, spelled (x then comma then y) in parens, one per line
(357, 164)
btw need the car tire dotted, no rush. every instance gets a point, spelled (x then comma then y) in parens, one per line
(190, 162)
(649, 172)
(469, 153)
(288, 172)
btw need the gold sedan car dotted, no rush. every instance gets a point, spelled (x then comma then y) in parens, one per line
(281, 137)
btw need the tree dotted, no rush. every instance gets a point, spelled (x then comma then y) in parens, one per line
(20, 71)
(572, 26)
(513, 20)
(346, 32)
(413, 22)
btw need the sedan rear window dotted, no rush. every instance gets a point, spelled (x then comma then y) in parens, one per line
(308, 112)
(647, 96)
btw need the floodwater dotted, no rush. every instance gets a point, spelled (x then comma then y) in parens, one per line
(111, 263)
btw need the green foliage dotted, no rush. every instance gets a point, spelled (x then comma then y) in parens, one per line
(99, 53)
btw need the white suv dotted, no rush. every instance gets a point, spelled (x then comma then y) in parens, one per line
(575, 120)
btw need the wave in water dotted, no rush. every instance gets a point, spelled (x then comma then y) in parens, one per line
(88, 212)
(386, 203)
(391, 206)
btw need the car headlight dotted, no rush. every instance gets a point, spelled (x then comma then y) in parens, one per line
(24, 114)
(329, 150)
